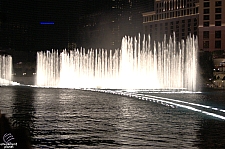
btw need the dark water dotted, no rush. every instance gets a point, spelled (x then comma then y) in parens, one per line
(66, 118)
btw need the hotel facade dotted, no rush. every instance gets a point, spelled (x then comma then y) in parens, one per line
(204, 18)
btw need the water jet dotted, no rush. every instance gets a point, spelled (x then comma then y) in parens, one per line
(137, 65)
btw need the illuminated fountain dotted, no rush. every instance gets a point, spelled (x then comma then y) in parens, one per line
(5, 70)
(137, 65)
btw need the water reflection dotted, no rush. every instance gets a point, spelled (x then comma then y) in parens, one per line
(62, 118)
(211, 134)
(6, 98)
(23, 108)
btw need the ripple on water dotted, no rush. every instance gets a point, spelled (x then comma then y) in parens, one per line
(62, 118)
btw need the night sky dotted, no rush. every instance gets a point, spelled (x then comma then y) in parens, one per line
(21, 28)
(29, 14)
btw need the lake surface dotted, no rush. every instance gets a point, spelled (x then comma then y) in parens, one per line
(68, 118)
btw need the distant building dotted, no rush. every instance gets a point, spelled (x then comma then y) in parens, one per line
(179, 16)
(219, 73)
(3, 52)
(24, 73)
(211, 25)
(204, 18)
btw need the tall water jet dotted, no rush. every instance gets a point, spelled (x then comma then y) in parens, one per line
(137, 65)
(5, 70)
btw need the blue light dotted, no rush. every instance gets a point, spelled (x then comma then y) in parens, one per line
(47, 23)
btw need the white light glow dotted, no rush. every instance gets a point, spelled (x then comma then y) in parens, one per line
(5, 70)
(173, 103)
(137, 65)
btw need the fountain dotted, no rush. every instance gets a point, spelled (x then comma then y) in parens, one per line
(5, 70)
(137, 65)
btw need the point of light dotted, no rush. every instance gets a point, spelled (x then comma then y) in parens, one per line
(47, 23)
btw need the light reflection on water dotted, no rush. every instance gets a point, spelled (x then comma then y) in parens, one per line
(65, 118)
